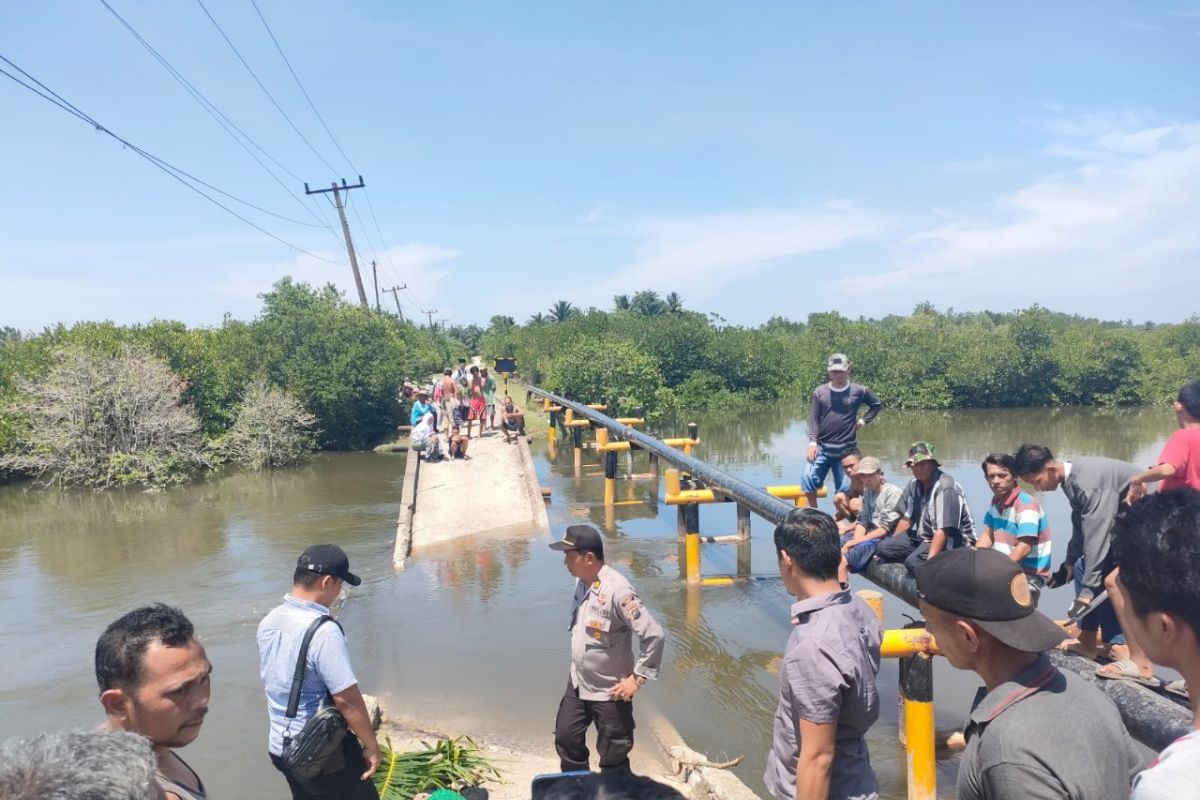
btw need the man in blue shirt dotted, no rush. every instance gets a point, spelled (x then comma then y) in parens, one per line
(420, 407)
(321, 571)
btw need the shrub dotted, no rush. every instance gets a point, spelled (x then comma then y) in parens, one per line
(270, 429)
(105, 421)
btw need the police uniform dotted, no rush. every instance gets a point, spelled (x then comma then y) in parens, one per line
(604, 616)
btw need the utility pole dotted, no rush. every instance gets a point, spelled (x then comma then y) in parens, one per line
(430, 312)
(337, 201)
(375, 280)
(396, 296)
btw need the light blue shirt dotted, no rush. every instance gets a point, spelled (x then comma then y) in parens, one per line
(328, 665)
(419, 410)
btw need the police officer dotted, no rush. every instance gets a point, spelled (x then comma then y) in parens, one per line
(604, 677)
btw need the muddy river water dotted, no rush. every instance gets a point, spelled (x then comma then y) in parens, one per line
(471, 637)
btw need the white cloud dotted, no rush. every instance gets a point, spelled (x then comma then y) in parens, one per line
(1131, 205)
(711, 250)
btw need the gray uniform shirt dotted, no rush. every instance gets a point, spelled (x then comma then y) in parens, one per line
(943, 506)
(1017, 745)
(604, 617)
(1094, 487)
(828, 676)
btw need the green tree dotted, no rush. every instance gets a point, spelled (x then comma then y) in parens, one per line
(614, 370)
(673, 303)
(562, 311)
(621, 302)
(647, 304)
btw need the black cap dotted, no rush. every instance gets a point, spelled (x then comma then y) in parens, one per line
(328, 559)
(579, 537)
(988, 588)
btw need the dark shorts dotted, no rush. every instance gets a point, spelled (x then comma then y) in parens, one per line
(344, 784)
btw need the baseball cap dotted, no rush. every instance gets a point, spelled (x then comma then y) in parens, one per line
(579, 537)
(328, 559)
(869, 466)
(918, 452)
(988, 588)
(838, 363)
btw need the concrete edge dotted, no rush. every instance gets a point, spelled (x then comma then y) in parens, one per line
(705, 782)
(408, 507)
(533, 488)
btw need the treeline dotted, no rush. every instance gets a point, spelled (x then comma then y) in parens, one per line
(152, 404)
(653, 353)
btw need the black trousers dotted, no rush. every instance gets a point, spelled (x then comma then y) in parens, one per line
(343, 784)
(614, 731)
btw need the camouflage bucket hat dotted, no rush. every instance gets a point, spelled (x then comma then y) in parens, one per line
(921, 451)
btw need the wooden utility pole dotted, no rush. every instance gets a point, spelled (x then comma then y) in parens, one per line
(375, 280)
(337, 201)
(430, 312)
(396, 296)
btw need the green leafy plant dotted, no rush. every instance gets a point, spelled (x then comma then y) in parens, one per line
(447, 764)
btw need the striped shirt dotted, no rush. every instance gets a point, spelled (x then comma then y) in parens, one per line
(1019, 517)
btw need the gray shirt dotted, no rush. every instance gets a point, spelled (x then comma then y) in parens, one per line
(943, 506)
(1094, 487)
(881, 509)
(604, 617)
(1017, 745)
(828, 676)
(833, 418)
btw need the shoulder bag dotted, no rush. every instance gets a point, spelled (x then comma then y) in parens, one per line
(317, 748)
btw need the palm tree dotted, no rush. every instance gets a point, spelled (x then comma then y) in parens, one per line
(562, 311)
(647, 304)
(538, 319)
(674, 303)
(621, 302)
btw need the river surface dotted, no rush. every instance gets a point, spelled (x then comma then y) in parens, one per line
(471, 637)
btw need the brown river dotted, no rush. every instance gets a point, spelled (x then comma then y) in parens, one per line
(471, 638)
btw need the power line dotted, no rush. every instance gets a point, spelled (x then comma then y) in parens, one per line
(222, 119)
(178, 174)
(262, 86)
(303, 91)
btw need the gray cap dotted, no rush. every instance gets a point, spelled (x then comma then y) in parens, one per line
(869, 466)
(838, 363)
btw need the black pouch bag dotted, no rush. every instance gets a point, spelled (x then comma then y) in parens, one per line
(317, 749)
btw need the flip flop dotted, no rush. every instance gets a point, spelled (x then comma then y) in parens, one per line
(1178, 688)
(1126, 670)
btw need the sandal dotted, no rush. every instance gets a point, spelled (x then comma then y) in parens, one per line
(1178, 688)
(1126, 670)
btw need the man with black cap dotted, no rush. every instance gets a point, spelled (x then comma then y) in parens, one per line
(981, 611)
(604, 676)
(320, 574)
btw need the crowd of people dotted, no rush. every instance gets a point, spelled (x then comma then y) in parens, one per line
(463, 397)
(1133, 557)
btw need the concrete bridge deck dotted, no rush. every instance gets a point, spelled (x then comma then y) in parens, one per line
(494, 490)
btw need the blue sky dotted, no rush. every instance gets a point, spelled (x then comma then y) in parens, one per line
(758, 158)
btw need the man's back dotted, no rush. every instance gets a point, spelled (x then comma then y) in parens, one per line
(328, 669)
(1016, 745)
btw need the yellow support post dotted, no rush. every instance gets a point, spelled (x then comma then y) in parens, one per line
(672, 481)
(907, 642)
(691, 520)
(601, 438)
(610, 477)
(916, 689)
(873, 599)
(552, 434)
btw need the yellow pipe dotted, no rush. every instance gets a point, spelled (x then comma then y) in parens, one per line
(601, 438)
(579, 423)
(568, 415)
(633, 422)
(792, 491)
(610, 491)
(873, 599)
(693, 556)
(680, 441)
(687, 496)
(545, 404)
(922, 754)
(551, 435)
(906, 642)
(672, 482)
(598, 406)
(614, 447)
(687, 448)
(719, 580)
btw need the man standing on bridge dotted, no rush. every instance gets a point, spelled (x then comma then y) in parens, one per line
(833, 425)
(604, 677)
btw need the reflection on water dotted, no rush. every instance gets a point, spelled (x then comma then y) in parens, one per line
(474, 635)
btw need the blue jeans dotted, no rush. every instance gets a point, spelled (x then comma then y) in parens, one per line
(826, 460)
(858, 556)
(1103, 619)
